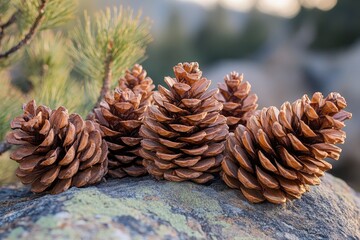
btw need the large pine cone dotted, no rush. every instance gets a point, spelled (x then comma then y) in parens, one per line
(279, 153)
(120, 118)
(56, 150)
(137, 80)
(239, 103)
(184, 132)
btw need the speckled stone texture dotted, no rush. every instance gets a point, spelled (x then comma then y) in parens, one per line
(144, 208)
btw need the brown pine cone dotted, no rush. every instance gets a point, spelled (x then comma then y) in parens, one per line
(138, 81)
(239, 103)
(120, 118)
(184, 132)
(56, 150)
(279, 153)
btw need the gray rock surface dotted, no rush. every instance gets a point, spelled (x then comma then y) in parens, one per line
(145, 208)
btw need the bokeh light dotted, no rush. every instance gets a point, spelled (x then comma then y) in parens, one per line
(204, 3)
(324, 5)
(238, 5)
(282, 8)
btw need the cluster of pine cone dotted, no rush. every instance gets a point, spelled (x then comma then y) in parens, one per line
(184, 132)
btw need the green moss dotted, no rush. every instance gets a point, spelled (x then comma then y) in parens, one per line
(188, 196)
(44, 228)
(163, 211)
(58, 234)
(193, 198)
(16, 233)
(91, 202)
(49, 222)
(145, 205)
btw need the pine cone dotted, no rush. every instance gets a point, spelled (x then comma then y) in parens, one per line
(279, 153)
(138, 82)
(56, 150)
(239, 104)
(184, 132)
(120, 118)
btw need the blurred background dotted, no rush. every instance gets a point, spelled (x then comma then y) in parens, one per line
(285, 48)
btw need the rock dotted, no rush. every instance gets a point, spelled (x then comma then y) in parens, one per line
(145, 208)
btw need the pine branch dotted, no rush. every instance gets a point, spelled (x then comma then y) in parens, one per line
(11, 20)
(5, 25)
(115, 39)
(4, 146)
(33, 29)
(107, 76)
(10, 104)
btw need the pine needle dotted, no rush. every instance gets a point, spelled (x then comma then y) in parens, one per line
(10, 104)
(48, 68)
(23, 19)
(108, 44)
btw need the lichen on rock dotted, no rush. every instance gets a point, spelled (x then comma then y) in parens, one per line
(146, 208)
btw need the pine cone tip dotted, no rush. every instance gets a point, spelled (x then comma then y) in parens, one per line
(239, 103)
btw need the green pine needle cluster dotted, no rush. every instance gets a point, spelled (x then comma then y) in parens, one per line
(48, 68)
(10, 104)
(4, 6)
(7, 169)
(117, 33)
(21, 20)
(57, 12)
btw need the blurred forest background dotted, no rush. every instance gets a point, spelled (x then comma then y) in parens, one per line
(285, 48)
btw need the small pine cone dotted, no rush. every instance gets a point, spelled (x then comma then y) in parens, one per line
(279, 153)
(138, 81)
(120, 118)
(239, 103)
(57, 150)
(184, 132)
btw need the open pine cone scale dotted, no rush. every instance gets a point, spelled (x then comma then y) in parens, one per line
(57, 150)
(280, 152)
(120, 118)
(184, 133)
